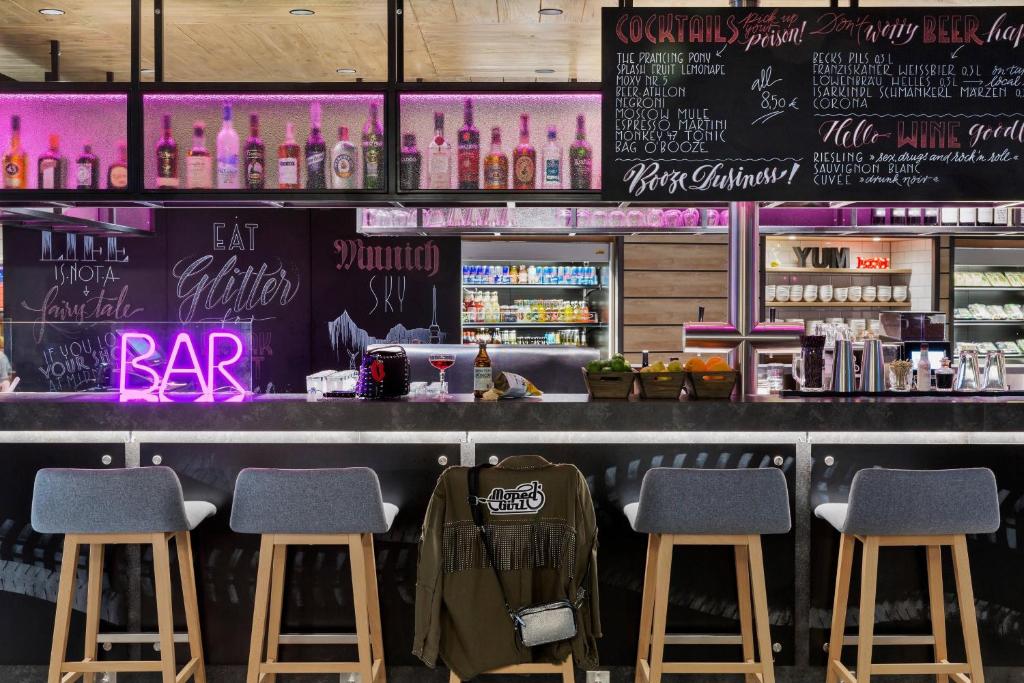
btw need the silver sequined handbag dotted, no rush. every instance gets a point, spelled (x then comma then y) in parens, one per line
(535, 625)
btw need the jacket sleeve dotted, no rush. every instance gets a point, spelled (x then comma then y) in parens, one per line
(429, 582)
(585, 644)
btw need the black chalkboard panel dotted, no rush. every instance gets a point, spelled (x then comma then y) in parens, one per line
(368, 290)
(251, 265)
(812, 104)
(66, 293)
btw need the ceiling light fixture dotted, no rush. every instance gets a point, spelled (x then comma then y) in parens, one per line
(51, 11)
(299, 12)
(549, 11)
(543, 71)
(345, 70)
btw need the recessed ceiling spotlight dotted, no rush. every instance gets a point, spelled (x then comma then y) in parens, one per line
(543, 71)
(51, 11)
(549, 11)
(299, 12)
(345, 70)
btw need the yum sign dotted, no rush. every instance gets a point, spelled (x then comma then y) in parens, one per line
(197, 369)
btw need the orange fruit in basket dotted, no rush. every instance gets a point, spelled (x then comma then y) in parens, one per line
(717, 364)
(695, 364)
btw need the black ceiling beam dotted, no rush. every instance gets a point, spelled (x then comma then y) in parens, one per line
(54, 73)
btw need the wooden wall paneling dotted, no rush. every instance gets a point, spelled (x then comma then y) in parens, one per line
(672, 311)
(653, 284)
(689, 257)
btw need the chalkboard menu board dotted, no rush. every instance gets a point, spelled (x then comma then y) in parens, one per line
(372, 290)
(812, 104)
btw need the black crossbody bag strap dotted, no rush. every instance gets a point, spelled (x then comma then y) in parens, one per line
(478, 520)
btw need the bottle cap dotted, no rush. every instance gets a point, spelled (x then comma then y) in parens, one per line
(199, 128)
(227, 111)
(254, 119)
(438, 119)
(408, 139)
(552, 133)
(343, 132)
(54, 141)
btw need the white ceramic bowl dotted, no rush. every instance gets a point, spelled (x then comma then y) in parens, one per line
(796, 293)
(769, 293)
(899, 293)
(782, 293)
(842, 294)
(870, 293)
(856, 293)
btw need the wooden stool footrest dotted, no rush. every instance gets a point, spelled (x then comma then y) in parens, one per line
(904, 669)
(310, 668)
(893, 640)
(113, 666)
(711, 667)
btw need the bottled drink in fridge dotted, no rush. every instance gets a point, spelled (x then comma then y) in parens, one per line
(373, 151)
(52, 167)
(524, 158)
(439, 157)
(469, 150)
(409, 163)
(167, 158)
(581, 158)
(343, 162)
(288, 160)
(227, 153)
(255, 156)
(316, 152)
(198, 165)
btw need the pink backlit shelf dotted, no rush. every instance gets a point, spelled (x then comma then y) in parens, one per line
(275, 110)
(503, 110)
(97, 118)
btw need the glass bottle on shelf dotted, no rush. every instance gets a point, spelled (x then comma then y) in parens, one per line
(198, 168)
(373, 151)
(343, 162)
(227, 153)
(496, 164)
(524, 158)
(439, 157)
(117, 172)
(87, 169)
(316, 152)
(552, 161)
(581, 158)
(167, 158)
(15, 159)
(410, 162)
(288, 171)
(469, 150)
(255, 156)
(52, 166)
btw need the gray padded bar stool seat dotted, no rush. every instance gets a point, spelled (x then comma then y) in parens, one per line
(923, 508)
(325, 501)
(121, 506)
(708, 507)
(313, 507)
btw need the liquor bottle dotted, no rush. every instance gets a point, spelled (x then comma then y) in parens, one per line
(439, 157)
(483, 381)
(227, 153)
(524, 158)
(167, 158)
(373, 151)
(552, 161)
(316, 152)
(117, 172)
(409, 163)
(288, 160)
(469, 150)
(255, 156)
(580, 158)
(343, 162)
(496, 164)
(52, 167)
(15, 160)
(87, 170)
(198, 164)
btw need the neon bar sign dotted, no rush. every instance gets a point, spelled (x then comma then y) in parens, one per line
(145, 376)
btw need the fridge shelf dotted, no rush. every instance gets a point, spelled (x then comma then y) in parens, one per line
(467, 285)
(518, 325)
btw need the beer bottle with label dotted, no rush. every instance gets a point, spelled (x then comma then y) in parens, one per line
(482, 379)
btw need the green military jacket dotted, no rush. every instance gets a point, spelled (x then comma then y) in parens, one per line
(540, 519)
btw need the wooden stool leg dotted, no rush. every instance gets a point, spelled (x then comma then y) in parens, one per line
(373, 604)
(452, 678)
(663, 576)
(93, 605)
(847, 545)
(190, 596)
(278, 562)
(65, 596)
(259, 613)
(937, 607)
(868, 586)
(743, 602)
(643, 647)
(760, 597)
(357, 560)
(968, 616)
(164, 606)
(568, 676)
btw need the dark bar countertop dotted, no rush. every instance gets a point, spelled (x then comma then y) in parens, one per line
(554, 413)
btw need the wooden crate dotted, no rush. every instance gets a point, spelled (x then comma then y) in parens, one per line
(609, 384)
(711, 384)
(664, 385)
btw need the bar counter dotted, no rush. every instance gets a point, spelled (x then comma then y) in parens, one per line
(819, 444)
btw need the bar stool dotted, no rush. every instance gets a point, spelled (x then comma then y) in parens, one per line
(313, 507)
(921, 508)
(708, 507)
(124, 506)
